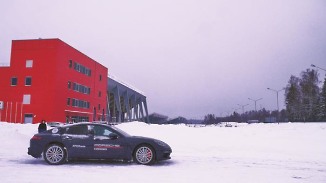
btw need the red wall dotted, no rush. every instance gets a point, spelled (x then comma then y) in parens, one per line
(50, 75)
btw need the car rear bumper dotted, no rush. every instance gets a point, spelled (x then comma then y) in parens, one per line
(34, 153)
(35, 149)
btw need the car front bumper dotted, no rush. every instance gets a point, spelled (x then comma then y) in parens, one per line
(163, 155)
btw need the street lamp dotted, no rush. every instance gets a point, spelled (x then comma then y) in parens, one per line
(255, 102)
(312, 65)
(235, 109)
(276, 91)
(242, 106)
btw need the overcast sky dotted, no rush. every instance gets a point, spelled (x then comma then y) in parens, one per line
(189, 57)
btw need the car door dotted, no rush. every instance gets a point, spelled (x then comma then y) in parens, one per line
(78, 141)
(107, 144)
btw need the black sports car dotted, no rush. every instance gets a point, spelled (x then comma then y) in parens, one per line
(95, 141)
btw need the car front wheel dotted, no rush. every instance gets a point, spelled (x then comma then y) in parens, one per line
(144, 154)
(54, 154)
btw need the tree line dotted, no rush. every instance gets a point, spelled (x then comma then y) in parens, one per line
(262, 115)
(305, 101)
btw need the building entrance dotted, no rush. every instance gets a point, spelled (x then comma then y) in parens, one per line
(28, 118)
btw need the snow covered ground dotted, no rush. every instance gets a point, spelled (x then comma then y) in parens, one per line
(255, 153)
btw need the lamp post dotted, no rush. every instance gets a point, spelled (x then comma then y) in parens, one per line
(278, 108)
(255, 102)
(242, 106)
(312, 65)
(235, 109)
(276, 91)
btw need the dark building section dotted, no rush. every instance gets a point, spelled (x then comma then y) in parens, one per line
(156, 118)
(125, 102)
(178, 120)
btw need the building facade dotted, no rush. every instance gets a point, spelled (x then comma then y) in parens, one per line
(48, 79)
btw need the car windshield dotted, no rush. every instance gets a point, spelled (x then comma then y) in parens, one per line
(120, 131)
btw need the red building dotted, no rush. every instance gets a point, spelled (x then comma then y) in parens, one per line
(48, 79)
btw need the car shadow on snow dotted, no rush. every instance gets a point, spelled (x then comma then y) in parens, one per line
(165, 163)
(40, 161)
(97, 162)
(37, 161)
(115, 163)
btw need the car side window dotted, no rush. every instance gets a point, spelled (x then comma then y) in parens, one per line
(101, 131)
(77, 130)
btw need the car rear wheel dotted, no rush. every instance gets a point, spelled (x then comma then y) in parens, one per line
(54, 154)
(144, 154)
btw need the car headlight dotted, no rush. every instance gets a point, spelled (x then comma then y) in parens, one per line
(161, 143)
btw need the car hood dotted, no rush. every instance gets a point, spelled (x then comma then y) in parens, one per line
(142, 138)
(151, 141)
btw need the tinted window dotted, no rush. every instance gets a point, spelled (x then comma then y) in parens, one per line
(13, 81)
(28, 81)
(77, 130)
(101, 131)
(120, 131)
(68, 101)
(69, 84)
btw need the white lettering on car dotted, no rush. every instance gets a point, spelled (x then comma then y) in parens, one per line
(104, 147)
(55, 130)
(78, 146)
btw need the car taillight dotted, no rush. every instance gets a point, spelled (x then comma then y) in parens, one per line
(35, 137)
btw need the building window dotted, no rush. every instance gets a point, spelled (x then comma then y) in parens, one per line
(28, 81)
(73, 102)
(69, 85)
(80, 103)
(100, 77)
(81, 88)
(79, 118)
(68, 101)
(29, 63)
(99, 94)
(27, 99)
(82, 69)
(70, 63)
(99, 106)
(14, 81)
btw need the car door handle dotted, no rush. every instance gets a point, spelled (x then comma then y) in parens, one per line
(67, 138)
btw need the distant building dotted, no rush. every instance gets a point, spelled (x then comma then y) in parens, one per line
(158, 118)
(253, 121)
(178, 120)
(195, 121)
(270, 119)
(48, 79)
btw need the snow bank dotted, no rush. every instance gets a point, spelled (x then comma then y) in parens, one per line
(289, 152)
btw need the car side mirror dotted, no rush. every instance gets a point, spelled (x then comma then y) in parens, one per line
(113, 136)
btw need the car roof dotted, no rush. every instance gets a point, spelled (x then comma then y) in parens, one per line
(85, 123)
(99, 124)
